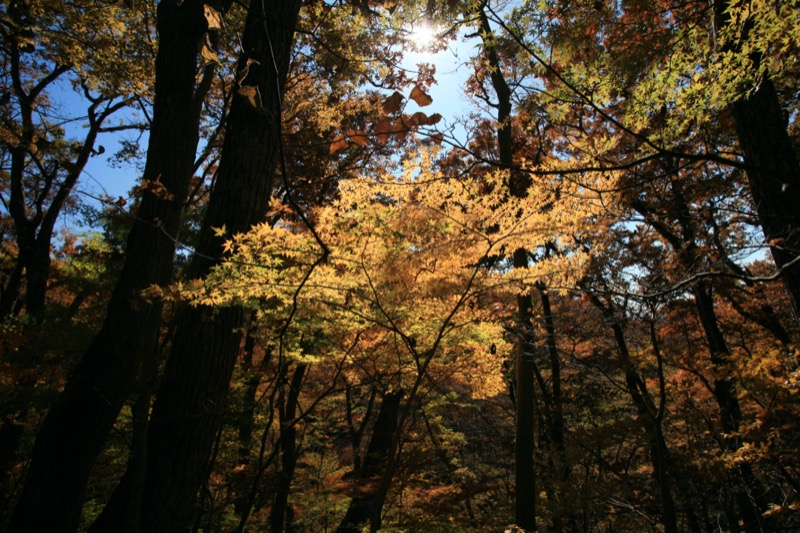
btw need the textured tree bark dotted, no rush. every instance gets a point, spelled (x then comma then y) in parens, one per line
(75, 429)
(191, 401)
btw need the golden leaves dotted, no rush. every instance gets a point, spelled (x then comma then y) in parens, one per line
(207, 52)
(213, 18)
(252, 95)
(413, 242)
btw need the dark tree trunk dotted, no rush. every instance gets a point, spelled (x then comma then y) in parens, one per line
(368, 498)
(649, 417)
(774, 176)
(37, 272)
(773, 170)
(519, 183)
(76, 427)
(191, 401)
(563, 515)
(749, 494)
(747, 491)
(279, 517)
(247, 419)
(524, 466)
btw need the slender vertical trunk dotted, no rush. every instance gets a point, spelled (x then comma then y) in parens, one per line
(37, 272)
(519, 183)
(750, 494)
(524, 466)
(367, 500)
(563, 516)
(648, 417)
(247, 419)
(279, 516)
(76, 427)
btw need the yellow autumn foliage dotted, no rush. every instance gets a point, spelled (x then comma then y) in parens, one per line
(406, 278)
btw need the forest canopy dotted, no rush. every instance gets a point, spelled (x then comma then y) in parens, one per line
(329, 303)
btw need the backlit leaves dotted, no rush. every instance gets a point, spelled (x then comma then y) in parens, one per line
(213, 17)
(420, 97)
(207, 52)
(393, 103)
(252, 95)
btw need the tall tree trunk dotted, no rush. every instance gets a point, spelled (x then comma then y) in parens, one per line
(524, 466)
(750, 495)
(191, 401)
(649, 417)
(278, 517)
(247, 417)
(519, 183)
(367, 499)
(773, 170)
(563, 516)
(76, 427)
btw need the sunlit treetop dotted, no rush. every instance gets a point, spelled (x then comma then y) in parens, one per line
(409, 255)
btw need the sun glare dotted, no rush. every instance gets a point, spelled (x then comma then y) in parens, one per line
(423, 36)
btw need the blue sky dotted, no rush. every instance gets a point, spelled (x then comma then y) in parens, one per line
(449, 100)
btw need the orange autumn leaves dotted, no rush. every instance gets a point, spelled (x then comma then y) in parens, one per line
(393, 122)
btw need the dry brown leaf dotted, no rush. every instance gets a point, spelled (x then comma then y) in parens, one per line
(434, 119)
(419, 96)
(393, 103)
(339, 143)
(213, 17)
(157, 189)
(358, 137)
(401, 128)
(382, 130)
(437, 139)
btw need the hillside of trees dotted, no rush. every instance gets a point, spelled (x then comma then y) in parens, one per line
(328, 305)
